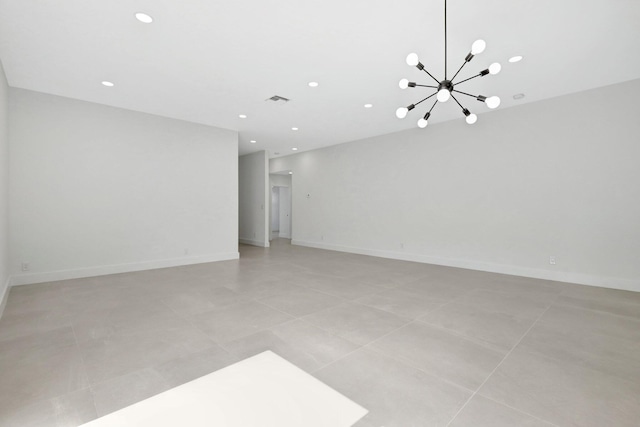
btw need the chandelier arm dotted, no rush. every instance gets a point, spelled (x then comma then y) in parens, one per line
(433, 94)
(465, 93)
(436, 80)
(458, 102)
(434, 87)
(459, 69)
(477, 75)
(433, 106)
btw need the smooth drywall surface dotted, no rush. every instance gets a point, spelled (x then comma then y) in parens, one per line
(4, 188)
(253, 179)
(558, 178)
(97, 190)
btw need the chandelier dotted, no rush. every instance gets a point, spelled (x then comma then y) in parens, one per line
(446, 88)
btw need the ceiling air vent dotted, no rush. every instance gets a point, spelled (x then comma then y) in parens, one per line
(278, 99)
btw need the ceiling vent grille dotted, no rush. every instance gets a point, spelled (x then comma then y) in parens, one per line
(278, 99)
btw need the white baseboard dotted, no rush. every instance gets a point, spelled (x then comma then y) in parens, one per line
(51, 276)
(253, 242)
(5, 295)
(559, 276)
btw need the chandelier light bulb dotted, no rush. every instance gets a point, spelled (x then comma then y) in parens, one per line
(401, 112)
(493, 102)
(412, 59)
(478, 47)
(404, 83)
(444, 95)
(471, 118)
(422, 123)
(495, 68)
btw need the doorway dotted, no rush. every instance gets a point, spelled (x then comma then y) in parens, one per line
(280, 222)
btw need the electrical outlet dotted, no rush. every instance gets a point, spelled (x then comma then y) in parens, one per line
(552, 260)
(25, 266)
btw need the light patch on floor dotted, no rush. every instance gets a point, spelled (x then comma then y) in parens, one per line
(264, 390)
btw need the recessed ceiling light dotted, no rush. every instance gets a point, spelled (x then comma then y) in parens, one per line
(294, 128)
(313, 84)
(144, 18)
(107, 84)
(253, 141)
(368, 105)
(516, 58)
(242, 116)
(294, 149)
(290, 173)
(518, 96)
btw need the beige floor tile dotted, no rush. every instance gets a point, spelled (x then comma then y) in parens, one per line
(402, 302)
(40, 366)
(301, 301)
(572, 319)
(494, 329)
(203, 299)
(563, 393)
(304, 345)
(341, 287)
(440, 353)
(355, 322)
(125, 390)
(17, 325)
(133, 349)
(187, 368)
(604, 305)
(238, 321)
(523, 305)
(69, 410)
(613, 354)
(483, 412)
(444, 289)
(395, 394)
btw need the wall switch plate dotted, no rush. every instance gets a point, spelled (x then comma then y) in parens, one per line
(25, 266)
(552, 260)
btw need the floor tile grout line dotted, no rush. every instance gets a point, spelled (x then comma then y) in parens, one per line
(484, 344)
(361, 346)
(409, 364)
(497, 366)
(521, 411)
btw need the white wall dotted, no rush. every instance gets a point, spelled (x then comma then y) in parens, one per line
(4, 188)
(96, 189)
(255, 199)
(559, 178)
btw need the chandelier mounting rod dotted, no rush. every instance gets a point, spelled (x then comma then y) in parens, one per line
(445, 40)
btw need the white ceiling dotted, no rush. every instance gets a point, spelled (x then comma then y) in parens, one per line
(208, 61)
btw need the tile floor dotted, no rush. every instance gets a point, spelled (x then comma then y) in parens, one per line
(416, 344)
